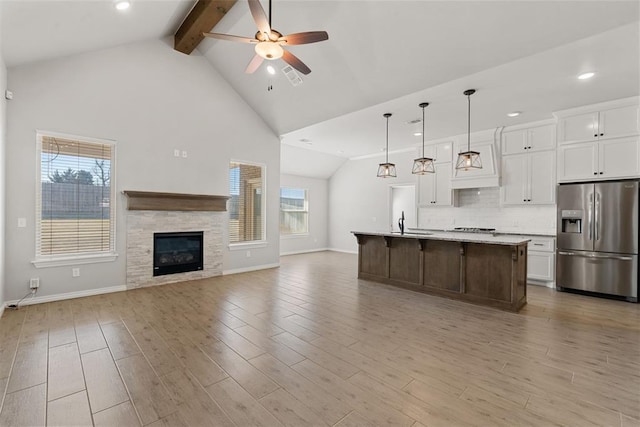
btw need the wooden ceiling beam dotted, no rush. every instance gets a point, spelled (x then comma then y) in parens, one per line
(202, 18)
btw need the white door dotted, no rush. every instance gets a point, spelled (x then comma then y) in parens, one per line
(583, 127)
(403, 199)
(542, 185)
(514, 179)
(619, 158)
(577, 161)
(618, 122)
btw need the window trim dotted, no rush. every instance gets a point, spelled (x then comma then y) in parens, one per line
(263, 242)
(42, 261)
(308, 211)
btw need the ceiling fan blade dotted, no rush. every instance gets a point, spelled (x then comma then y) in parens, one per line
(254, 64)
(230, 38)
(260, 17)
(304, 38)
(293, 60)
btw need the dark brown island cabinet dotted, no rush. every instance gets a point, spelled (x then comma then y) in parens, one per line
(489, 271)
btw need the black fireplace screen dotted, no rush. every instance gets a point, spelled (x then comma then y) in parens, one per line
(177, 252)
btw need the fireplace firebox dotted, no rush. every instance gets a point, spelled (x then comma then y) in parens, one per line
(177, 252)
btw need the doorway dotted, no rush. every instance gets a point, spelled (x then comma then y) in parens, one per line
(402, 198)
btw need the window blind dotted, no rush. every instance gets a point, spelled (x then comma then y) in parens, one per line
(74, 209)
(246, 202)
(294, 211)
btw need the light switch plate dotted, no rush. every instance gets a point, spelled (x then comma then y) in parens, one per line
(22, 222)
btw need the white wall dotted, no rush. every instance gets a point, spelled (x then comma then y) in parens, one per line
(3, 179)
(317, 238)
(151, 100)
(359, 201)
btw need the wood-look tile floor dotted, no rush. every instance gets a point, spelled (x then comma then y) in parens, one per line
(309, 344)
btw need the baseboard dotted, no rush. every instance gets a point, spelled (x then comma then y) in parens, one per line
(343, 251)
(307, 251)
(252, 268)
(68, 295)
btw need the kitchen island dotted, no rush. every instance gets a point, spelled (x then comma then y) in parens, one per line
(478, 268)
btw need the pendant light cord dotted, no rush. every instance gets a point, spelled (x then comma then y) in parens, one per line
(423, 132)
(387, 150)
(469, 123)
(269, 13)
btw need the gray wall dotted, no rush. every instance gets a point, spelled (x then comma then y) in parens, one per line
(3, 178)
(317, 239)
(358, 200)
(151, 100)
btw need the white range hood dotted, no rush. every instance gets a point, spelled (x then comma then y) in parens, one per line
(486, 143)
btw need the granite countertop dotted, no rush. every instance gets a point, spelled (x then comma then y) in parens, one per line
(488, 238)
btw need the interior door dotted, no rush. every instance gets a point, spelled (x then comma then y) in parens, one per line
(403, 199)
(616, 217)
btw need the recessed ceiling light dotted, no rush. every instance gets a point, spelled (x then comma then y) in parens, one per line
(122, 5)
(417, 134)
(585, 76)
(514, 114)
(271, 70)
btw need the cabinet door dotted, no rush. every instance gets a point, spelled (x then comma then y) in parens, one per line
(541, 266)
(514, 179)
(541, 138)
(443, 192)
(514, 142)
(426, 189)
(542, 178)
(583, 127)
(577, 162)
(619, 122)
(619, 158)
(440, 153)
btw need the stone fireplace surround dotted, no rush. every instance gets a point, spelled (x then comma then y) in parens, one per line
(149, 213)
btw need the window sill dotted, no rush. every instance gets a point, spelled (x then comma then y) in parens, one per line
(74, 260)
(248, 245)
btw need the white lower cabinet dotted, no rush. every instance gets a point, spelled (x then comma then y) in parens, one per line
(529, 179)
(541, 260)
(434, 189)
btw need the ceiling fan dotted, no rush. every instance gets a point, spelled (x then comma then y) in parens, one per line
(269, 42)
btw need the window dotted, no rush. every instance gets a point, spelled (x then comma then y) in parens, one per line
(75, 212)
(246, 206)
(294, 211)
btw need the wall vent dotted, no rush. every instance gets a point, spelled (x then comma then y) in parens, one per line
(292, 75)
(414, 121)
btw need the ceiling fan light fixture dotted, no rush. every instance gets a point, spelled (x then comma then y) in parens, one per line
(423, 165)
(269, 50)
(386, 169)
(469, 159)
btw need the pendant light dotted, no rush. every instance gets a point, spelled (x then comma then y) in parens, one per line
(424, 164)
(387, 170)
(469, 159)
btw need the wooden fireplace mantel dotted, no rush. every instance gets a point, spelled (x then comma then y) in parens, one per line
(152, 201)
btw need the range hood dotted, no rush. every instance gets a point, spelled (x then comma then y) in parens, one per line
(489, 176)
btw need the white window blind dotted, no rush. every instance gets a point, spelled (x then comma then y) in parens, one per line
(75, 212)
(246, 205)
(294, 211)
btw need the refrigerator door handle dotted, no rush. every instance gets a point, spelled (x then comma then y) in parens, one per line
(596, 225)
(618, 257)
(590, 217)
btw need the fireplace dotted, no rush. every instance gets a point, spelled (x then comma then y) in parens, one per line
(177, 252)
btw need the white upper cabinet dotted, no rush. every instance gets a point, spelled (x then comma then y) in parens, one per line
(527, 140)
(440, 153)
(528, 179)
(604, 124)
(434, 189)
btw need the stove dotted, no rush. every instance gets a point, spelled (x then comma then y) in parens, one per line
(474, 230)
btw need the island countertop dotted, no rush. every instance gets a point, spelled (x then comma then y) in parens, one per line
(487, 238)
(481, 268)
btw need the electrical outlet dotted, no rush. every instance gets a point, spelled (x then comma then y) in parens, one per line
(176, 153)
(184, 154)
(22, 222)
(248, 254)
(75, 272)
(34, 283)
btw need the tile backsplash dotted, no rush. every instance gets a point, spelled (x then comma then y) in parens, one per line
(480, 207)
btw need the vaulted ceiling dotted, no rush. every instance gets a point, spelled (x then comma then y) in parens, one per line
(381, 56)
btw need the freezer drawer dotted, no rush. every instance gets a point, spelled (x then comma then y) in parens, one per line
(613, 274)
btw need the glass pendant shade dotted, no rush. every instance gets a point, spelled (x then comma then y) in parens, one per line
(423, 165)
(469, 159)
(386, 169)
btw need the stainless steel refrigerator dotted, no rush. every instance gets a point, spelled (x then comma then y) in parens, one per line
(598, 238)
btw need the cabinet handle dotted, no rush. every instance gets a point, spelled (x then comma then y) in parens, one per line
(595, 173)
(602, 134)
(601, 173)
(538, 244)
(595, 136)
